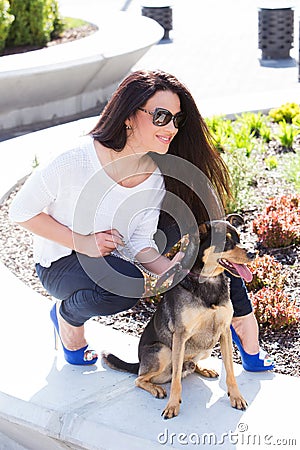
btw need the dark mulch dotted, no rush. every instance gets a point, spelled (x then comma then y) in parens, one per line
(67, 36)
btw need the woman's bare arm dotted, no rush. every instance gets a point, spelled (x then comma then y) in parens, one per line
(93, 245)
(156, 263)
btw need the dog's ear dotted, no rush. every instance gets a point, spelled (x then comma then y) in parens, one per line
(235, 220)
(191, 251)
(202, 228)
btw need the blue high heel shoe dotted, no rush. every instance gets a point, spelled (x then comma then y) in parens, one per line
(75, 357)
(252, 363)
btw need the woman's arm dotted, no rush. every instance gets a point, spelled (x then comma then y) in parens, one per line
(151, 259)
(93, 245)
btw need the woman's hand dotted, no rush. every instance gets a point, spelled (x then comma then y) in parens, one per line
(98, 244)
(177, 258)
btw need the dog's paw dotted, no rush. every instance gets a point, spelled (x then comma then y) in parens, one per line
(171, 410)
(158, 391)
(187, 368)
(237, 401)
(207, 373)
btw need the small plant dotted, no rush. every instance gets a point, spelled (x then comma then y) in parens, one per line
(287, 134)
(271, 162)
(296, 120)
(6, 19)
(35, 162)
(285, 112)
(266, 133)
(220, 129)
(274, 309)
(267, 272)
(279, 224)
(242, 175)
(252, 122)
(243, 139)
(290, 169)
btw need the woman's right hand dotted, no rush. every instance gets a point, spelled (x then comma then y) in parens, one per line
(98, 244)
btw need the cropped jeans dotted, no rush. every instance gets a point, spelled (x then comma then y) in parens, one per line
(107, 285)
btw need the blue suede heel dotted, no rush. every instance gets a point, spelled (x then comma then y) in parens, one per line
(252, 363)
(75, 357)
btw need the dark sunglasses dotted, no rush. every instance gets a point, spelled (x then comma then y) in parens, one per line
(161, 117)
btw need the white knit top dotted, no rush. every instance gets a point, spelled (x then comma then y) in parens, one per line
(76, 191)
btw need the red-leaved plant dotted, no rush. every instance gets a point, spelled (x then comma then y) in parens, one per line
(279, 224)
(267, 272)
(274, 309)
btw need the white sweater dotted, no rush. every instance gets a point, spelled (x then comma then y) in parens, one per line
(77, 192)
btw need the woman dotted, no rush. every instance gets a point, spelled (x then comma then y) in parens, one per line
(95, 209)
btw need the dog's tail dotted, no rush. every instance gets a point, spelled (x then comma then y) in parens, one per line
(115, 363)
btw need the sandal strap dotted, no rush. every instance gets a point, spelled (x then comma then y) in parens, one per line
(265, 357)
(91, 352)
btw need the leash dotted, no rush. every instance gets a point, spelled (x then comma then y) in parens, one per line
(161, 279)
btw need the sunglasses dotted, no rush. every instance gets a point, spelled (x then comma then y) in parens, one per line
(161, 117)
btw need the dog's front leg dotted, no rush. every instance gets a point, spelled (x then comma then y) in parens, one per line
(173, 406)
(236, 399)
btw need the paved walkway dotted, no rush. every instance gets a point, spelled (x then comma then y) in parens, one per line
(214, 51)
(46, 404)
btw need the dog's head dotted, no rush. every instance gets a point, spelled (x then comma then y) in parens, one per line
(220, 249)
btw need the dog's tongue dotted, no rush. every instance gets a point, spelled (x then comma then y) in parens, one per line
(243, 271)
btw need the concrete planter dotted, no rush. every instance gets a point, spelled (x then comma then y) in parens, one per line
(67, 80)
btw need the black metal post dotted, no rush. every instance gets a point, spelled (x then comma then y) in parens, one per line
(275, 31)
(162, 14)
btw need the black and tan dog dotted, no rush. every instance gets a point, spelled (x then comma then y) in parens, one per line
(192, 317)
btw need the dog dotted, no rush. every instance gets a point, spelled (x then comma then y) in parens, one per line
(192, 317)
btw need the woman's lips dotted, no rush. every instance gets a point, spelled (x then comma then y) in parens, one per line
(164, 139)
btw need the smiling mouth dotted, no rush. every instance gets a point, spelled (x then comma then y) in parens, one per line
(238, 270)
(164, 139)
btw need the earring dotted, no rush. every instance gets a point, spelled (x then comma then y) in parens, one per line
(128, 127)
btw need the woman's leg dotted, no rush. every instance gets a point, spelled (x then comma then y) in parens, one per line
(244, 320)
(81, 284)
(245, 332)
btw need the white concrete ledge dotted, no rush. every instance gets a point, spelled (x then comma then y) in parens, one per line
(68, 79)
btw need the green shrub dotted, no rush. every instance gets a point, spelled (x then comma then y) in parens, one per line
(285, 112)
(6, 19)
(35, 22)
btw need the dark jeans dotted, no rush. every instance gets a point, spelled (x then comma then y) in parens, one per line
(91, 287)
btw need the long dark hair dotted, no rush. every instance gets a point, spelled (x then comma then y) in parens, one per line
(193, 141)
